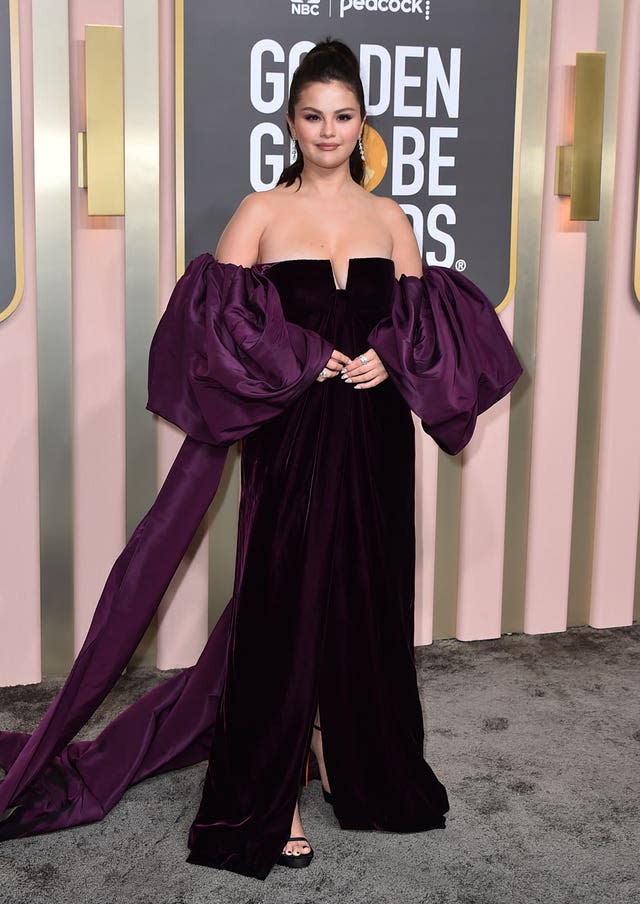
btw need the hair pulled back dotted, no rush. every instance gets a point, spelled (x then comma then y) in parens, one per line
(328, 61)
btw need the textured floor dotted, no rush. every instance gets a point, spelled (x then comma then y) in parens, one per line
(537, 739)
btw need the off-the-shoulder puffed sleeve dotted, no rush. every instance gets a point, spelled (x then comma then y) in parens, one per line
(223, 359)
(447, 353)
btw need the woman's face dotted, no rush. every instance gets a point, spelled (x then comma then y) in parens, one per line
(327, 123)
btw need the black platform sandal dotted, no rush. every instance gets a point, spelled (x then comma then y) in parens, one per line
(296, 860)
(326, 794)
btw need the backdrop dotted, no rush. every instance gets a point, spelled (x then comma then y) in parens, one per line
(535, 526)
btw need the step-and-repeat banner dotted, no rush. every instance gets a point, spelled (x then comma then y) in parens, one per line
(442, 82)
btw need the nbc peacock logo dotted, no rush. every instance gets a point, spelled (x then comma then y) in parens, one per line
(342, 7)
(306, 9)
(406, 7)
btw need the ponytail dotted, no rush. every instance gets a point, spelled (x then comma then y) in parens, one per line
(328, 61)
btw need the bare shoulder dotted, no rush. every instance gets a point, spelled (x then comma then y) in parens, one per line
(405, 254)
(240, 239)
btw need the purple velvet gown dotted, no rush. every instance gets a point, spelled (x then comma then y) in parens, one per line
(322, 609)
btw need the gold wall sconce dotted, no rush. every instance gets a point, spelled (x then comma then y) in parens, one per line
(101, 147)
(579, 166)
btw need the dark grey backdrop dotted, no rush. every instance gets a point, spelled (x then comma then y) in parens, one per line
(7, 213)
(219, 115)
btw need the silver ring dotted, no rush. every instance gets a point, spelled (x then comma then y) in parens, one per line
(323, 373)
(363, 359)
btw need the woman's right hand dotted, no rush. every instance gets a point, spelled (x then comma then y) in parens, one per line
(333, 366)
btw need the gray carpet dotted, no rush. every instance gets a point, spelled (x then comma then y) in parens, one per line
(537, 739)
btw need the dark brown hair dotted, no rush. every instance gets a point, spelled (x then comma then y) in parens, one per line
(328, 61)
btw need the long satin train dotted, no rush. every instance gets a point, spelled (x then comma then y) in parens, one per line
(52, 784)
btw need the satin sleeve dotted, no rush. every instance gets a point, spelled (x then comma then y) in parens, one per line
(223, 359)
(447, 353)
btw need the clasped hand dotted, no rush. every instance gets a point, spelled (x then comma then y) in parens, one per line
(362, 376)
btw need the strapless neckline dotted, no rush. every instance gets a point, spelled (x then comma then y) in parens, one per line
(327, 262)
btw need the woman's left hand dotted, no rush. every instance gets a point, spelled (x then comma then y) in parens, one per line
(365, 371)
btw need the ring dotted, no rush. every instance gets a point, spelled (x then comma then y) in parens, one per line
(323, 373)
(364, 359)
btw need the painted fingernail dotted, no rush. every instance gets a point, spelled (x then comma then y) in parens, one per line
(348, 380)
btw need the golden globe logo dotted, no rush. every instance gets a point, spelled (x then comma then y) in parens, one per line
(449, 119)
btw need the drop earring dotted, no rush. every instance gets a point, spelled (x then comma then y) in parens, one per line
(361, 148)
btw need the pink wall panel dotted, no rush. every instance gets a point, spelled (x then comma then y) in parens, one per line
(98, 358)
(426, 494)
(20, 536)
(559, 331)
(183, 614)
(618, 486)
(482, 513)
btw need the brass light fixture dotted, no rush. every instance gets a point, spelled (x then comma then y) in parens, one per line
(579, 166)
(101, 147)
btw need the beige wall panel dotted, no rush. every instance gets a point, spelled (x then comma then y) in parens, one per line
(142, 211)
(52, 172)
(532, 156)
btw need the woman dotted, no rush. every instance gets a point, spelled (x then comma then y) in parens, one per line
(320, 225)
(311, 337)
